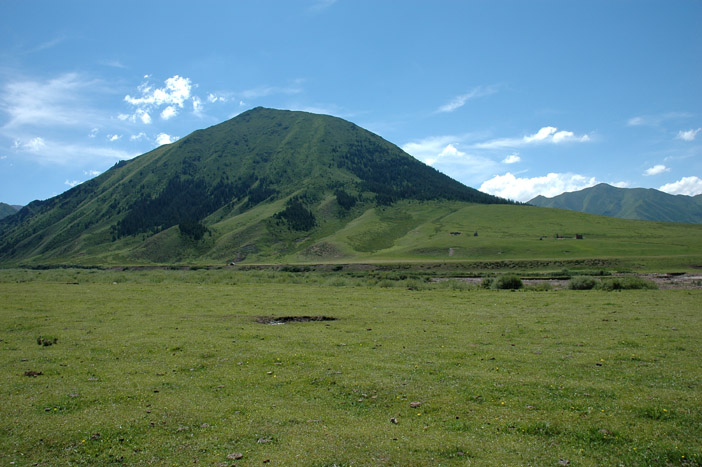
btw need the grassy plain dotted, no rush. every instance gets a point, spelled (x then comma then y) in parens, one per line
(172, 367)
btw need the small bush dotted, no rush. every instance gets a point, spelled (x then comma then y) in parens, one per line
(582, 283)
(486, 283)
(508, 282)
(540, 287)
(416, 284)
(626, 283)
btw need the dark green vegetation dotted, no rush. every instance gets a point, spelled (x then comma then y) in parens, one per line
(175, 367)
(628, 203)
(256, 184)
(6, 210)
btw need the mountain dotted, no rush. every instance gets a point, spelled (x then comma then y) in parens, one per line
(264, 185)
(6, 210)
(628, 203)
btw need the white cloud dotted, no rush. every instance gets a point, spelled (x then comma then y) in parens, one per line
(429, 148)
(172, 95)
(197, 106)
(72, 183)
(169, 112)
(163, 138)
(137, 137)
(58, 102)
(213, 98)
(545, 135)
(688, 135)
(113, 138)
(34, 145)
(656, 170)
(636, 121)
(176, 91)
(512, 159)
(93, 133)
(689, 186)
(444, 153)
(656, 120)
(92, 173)
(524, 189)
(113, 63)
(459, 101)
(55, 152)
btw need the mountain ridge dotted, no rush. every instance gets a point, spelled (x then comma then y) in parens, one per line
(7, 209)
(628, 203)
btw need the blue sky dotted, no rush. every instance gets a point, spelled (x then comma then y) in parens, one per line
(516, 98)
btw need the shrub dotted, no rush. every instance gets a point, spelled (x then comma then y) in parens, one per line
(540, 287)
(582, 283)
(486, 283)
(626, 283)
(508, 281)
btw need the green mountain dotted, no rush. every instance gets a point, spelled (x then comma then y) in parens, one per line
(265, 185)
(6, 210)
(628, 203)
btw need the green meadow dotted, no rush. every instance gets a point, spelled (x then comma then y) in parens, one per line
(182, 367)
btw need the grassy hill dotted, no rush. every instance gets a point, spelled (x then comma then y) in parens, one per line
(254, 183)
(273, 186)
(628, 203)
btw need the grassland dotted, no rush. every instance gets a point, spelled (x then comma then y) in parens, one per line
(172, 367)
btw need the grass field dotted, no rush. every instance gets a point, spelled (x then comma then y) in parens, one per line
(172, 367)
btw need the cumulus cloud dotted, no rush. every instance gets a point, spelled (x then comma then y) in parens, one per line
(545, 135)
(92, 173)
(175, 92)
(512, 159)
(113, 138)
(169, 112)
(459, 101)
(656, 170)
(445, 154)
(689, 186)
(138, 137)
(197, 106)
(688, 135)
(72, 183)
(213, 98)
(524, 189)
(163, 138)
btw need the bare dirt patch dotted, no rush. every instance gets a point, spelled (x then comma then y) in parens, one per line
(292, 319)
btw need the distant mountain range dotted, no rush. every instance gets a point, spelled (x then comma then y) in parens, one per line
(8, 209)
(628, 203)
(265, 184)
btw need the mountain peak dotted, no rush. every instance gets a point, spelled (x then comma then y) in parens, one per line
(275, 169)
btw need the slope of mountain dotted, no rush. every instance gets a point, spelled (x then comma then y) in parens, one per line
(6, 210)
(265, 184)
(628, 203)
